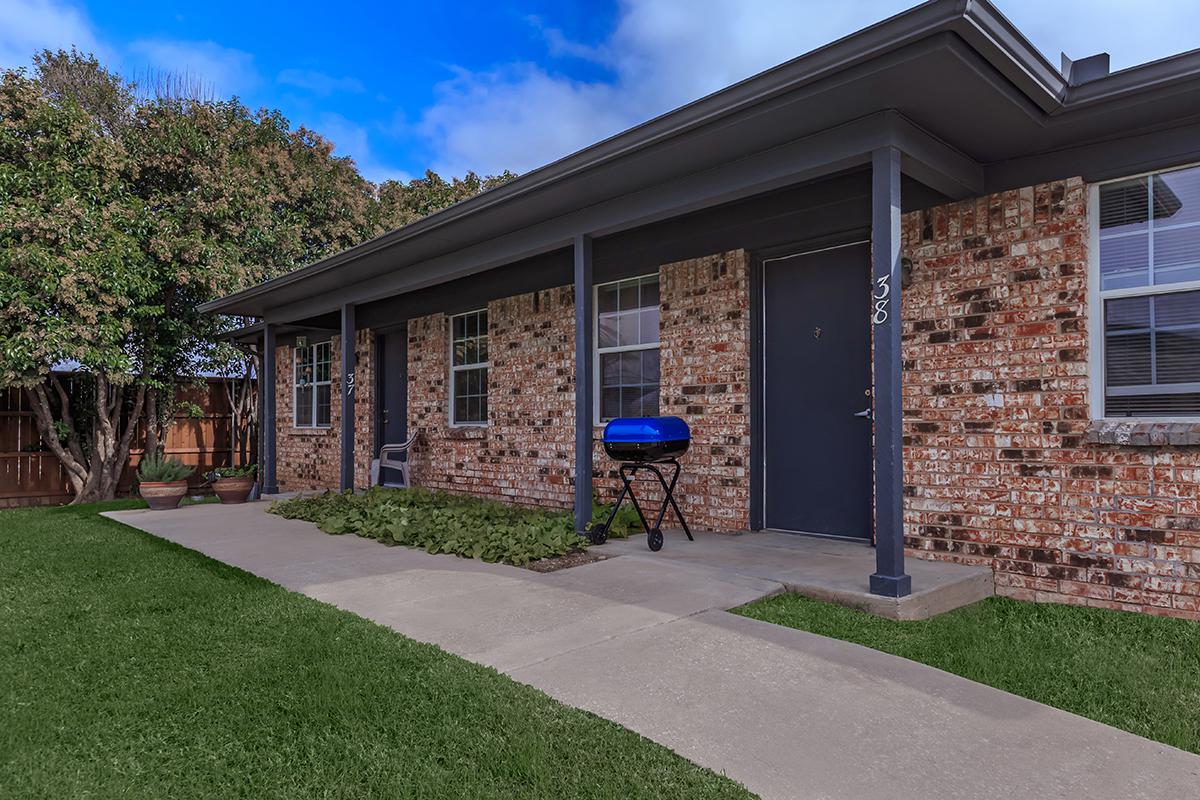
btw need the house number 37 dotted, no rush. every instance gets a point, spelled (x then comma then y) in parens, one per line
(349, 383)
(883, 288)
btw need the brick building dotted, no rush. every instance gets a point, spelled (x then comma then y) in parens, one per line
(919, 288)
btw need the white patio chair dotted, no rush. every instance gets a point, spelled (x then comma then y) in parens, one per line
(393, 457)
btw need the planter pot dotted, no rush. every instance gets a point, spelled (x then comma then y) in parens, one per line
(233, 490)
(162, 496)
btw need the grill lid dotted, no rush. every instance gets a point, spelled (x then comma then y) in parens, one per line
(646, 430)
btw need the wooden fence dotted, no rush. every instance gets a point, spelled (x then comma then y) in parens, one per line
(31, 475)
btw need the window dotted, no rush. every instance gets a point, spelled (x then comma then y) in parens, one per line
(469, 368)
(627, 348)
(313, 385)
(1149, 292)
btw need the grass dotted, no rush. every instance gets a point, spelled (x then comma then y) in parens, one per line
(131, 667)
(1132, 671)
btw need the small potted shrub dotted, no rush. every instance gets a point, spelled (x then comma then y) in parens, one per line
(162, 482)
(233, 484)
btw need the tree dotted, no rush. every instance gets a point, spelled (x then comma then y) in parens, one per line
(74, 286)
(121, 213)
(404, 203)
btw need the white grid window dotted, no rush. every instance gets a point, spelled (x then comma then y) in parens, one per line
(627, 348)
(1149, 294)
(313, 385)
(469, 368)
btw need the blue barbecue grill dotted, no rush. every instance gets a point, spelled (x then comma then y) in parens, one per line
(645, 443)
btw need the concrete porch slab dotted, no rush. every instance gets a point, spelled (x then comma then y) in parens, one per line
(833, 570)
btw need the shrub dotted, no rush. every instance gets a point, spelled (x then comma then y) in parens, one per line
(246, 471)
(159, 469)
(440, 523)
(625, 523)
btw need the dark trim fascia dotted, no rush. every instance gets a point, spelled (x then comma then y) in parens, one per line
(1099, 161)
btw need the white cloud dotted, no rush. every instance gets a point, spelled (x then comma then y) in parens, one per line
(319, 83)
(224, 70)
(664, 53)
(29, 26)
(351, 139)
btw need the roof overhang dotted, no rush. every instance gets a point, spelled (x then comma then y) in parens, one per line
(904, 82)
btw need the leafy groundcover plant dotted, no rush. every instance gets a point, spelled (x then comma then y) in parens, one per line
(440, 523)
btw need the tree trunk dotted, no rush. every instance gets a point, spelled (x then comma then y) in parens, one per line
(94, 475)
(153, 434)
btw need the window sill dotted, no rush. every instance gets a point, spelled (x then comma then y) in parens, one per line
(1134, 433)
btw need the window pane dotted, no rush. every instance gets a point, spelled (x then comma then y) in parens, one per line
(650, 402)
(1182, 308)
(610, 369)
(1153, 405)
(631, 401)
(649, 292)
(610, 403)
(460, 409)
(606, 299)
(1127, 313)
(631, 368)
(607, 330)
(304, 407)
(1177, 356)
(628, 295)
(1177, 255)
(1124, 262)
(483, 409)
(458, 324)
(1124, 205)
(324, 395)
(629, 331)
(472, 325)
(1177, 197)
(1127, 359)
(482, 349)
(648, 323)
(483, 323)
(650, 366)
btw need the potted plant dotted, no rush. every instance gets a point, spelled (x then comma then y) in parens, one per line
(233, 484)
(162, 482)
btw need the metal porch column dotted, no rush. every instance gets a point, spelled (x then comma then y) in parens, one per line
(584, 379)
(266, 400)
(347, 383)
(889, 578)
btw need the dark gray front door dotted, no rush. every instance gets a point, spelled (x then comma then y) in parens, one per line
(393, 387)
(817, 452)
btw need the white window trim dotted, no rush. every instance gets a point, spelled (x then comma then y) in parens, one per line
(456, 368)
(312, 388)
(1097, 383)
(597, 350)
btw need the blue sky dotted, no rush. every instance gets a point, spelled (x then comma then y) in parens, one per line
(405, 86)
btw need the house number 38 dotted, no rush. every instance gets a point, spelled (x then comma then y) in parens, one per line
(883, 289)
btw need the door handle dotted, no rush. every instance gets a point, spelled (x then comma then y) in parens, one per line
(865, 413)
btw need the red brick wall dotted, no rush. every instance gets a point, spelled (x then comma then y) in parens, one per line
(310, 458)
(526, 453)
(1000, 469)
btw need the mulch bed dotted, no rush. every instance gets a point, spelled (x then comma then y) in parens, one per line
(573, 559)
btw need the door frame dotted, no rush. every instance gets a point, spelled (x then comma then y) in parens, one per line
(758, 355)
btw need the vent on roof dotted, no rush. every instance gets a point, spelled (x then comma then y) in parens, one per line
(1085, 70)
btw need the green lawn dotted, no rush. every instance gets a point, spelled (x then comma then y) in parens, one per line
(1132, 671)
(130, 667)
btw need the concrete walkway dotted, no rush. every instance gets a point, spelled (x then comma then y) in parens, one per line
(645, 642)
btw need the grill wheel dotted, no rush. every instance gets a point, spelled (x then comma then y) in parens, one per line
(655, 539)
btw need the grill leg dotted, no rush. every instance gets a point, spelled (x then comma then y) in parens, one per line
(669, 498)
(633, 470)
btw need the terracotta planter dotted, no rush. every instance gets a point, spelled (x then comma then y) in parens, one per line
(161, 496)
(233, 490)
